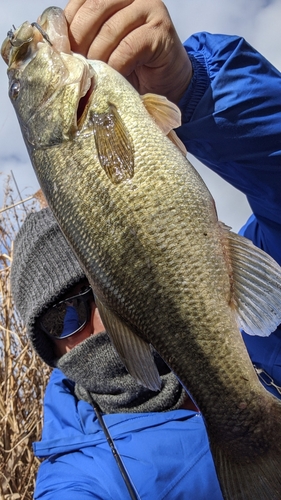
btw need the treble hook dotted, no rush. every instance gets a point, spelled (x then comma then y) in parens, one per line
(11, 35)
(43, 33)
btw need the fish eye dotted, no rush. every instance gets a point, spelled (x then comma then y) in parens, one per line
(14, 89)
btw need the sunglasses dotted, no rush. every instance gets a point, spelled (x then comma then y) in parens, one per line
(68, 316)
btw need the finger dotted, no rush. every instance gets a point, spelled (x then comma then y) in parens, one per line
(71, 9)
(88, 20)
(153, 61)
(134, 50)
(114, 30)
(143, 46)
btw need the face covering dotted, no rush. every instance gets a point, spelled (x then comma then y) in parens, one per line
(98, 372)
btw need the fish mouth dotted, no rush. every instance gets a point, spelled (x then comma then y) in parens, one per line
(53, 23)
(21, 44)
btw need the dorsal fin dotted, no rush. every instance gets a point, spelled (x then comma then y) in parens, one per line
(256, 281)
(167, 116)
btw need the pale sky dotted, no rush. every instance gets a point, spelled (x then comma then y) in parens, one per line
(256, 20)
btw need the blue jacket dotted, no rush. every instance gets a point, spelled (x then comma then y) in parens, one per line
(232, 123)
(166, 454)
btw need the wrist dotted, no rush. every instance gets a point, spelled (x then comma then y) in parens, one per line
(184, 76)
(196, 88)
(179, 70)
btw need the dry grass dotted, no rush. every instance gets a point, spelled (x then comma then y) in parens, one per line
(23, 376)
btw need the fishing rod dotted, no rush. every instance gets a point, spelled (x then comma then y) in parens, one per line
(115, 453)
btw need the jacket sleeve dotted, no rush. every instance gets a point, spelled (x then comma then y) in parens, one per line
(60, 480)
(231, 116)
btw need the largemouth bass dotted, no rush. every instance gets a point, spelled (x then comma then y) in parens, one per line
(165, 272)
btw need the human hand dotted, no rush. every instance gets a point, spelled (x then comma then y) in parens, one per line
(135, 37)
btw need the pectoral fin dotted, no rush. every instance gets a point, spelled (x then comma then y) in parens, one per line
(256, 279)
(167, 116)
(114, 145)
(134, 352)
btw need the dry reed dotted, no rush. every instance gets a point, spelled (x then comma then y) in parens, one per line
(23, 376)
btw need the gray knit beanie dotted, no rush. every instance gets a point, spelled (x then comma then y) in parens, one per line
(43, 268)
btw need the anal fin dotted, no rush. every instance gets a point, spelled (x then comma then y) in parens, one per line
(134, 352)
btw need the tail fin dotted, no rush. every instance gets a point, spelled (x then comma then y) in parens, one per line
(256, 477)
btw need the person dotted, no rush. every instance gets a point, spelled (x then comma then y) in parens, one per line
(229, 98)
(156, 435)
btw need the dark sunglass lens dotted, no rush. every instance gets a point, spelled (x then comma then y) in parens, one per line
(65, 318)
(68, 316)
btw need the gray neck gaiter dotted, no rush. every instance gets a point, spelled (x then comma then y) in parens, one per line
(95, 368)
